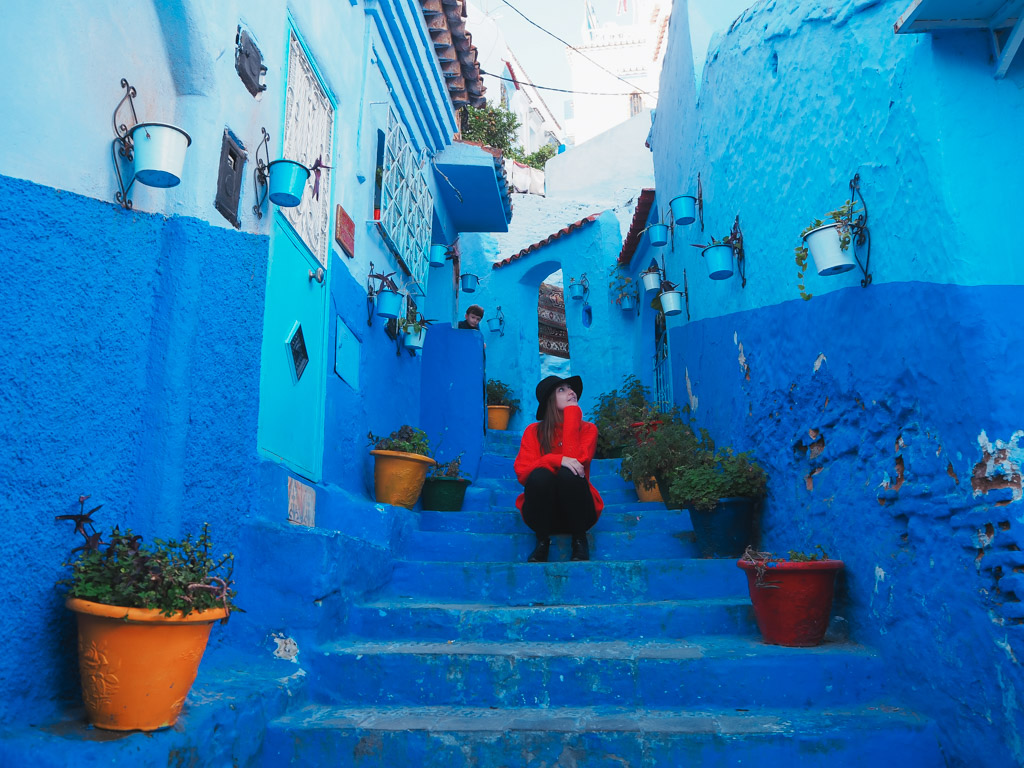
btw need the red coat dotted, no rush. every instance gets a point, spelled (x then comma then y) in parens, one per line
(576, 438)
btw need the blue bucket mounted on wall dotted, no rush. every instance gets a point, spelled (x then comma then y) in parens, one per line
(389, 303)
(159, 154)
(470, 282)
(576, 290)
(287, 182)
(658, 234)
(719, 261)
(684, 209)
(671, 302)
(438, 254)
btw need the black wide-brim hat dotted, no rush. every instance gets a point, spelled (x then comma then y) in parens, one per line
(549, 385)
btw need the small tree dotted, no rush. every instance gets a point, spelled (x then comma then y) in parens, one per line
(541, 156)
(492, 125)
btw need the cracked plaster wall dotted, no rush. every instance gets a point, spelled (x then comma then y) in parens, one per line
(887, 417)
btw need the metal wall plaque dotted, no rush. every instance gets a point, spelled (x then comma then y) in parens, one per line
(249, 63)
(297, 348)
(229, 178)
(344, 231)
(301, 503)
(309, 137)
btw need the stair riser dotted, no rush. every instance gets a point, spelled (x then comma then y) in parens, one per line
(504, 548)
(645, 518)
(411, 679)
(351, 747)
(509, 482)
(497, 464)
(550, 624)
(569, 583)
(507, 499)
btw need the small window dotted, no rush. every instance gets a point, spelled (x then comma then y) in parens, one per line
(636, 103)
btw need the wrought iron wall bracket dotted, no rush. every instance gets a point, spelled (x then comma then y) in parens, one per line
(260, 177)
(686, 296)
(122, 144)
(860, 235)
(736, 240)
(700, 202)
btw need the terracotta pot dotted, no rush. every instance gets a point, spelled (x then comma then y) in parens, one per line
(498, 416)
(654, 494)
(794, 603)
(136, 664)
(398, 477)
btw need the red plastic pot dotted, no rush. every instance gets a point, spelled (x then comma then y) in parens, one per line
(794, 603)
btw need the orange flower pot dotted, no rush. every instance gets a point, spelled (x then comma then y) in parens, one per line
(137, 665)
(643, 494)
(498, 416)
(398, 477)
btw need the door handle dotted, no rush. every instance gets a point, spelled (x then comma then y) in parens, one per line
(318, 275)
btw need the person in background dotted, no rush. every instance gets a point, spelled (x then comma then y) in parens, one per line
(474, 315)
(553, 466)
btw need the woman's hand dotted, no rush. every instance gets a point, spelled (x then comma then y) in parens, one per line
(573, 466)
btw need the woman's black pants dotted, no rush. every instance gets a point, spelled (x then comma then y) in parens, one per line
(558, 502)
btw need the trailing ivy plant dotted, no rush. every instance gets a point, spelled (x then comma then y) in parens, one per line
(716, 475)
(169, 576)
(842, 216)
(405, 439)
(500, 393)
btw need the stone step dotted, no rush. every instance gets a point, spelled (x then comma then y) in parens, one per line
(423, 620)
(718, 671)
(615, 518)
(516, 547)
(498, 464)
(600, 737)
(507, 499)
(603, 483)
(568, 583)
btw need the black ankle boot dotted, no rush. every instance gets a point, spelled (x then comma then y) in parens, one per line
(540, 552)
(580, 548)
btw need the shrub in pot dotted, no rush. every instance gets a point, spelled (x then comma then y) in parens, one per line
(722, 490)
(400, 465)
(144, 614)
(792, 597)
(616, 412)
(674, 444)
(501, 405)
(444, 489)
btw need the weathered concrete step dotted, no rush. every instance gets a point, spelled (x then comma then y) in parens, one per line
(603, 483)
(568, 583)
(615, 518)
(675, 619)
(516, 547)
(498, 463)
(719, 671)
(600, 737)
(485, 497)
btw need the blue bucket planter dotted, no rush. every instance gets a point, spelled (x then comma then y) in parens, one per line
(719, 261)
(159, 154)
(414, 340)
(726, 530)
(576, 291)
(389, 303)
(671, 303)
(287, 182)
(684, 209)
(438, 254)
(651, 280)
(627, 304)
(658, 234)
(470, 282)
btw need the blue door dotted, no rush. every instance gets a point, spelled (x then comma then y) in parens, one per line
(292, 370)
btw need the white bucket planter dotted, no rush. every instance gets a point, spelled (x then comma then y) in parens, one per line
(684, 209)
(829, 257)
(287, 182)
(576, 291)
(658, 234)
(414, 340)
(159, 154)
(470, 282)
(671, 303)
(389, 303)
(651, 280)
(628, 303)
(719, 261)
(438, 254)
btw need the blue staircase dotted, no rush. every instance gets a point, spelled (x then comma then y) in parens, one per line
(644, 656)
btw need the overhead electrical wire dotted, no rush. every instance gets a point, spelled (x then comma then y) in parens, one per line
(559, 90)
(573, 47)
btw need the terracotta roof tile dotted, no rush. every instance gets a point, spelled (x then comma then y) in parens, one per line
(549, 239)
(636, 228)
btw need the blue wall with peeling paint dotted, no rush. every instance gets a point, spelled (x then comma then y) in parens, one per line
(887, 416)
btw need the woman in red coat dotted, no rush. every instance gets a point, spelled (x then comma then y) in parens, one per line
(554, 467)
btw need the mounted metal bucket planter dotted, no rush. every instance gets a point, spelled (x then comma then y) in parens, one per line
(159, 154)
(627, 304)
(671, 303)
(494, 324)
(470, 282)
(438, 254)
(658, 234)
(824, 243)
(651, 280)
(414, 339)
(287, 182)
(389, 303)
(719, 261)
(684, 209)
(576, 291)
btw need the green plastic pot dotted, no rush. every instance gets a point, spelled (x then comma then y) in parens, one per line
(444, 494)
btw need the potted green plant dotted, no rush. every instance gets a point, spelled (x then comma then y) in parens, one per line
(501, 405)
(415, 332)
(445, 487)
(718, 256)
(144, 614)
(647, 464)
(792, 596)
(615, 413)
(623, 292)
(722, 490)
(828, 244)
(670, 300)
(400, 465)
(577, 290)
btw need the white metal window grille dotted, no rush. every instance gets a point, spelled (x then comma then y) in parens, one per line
(406, 204)
(662, 380)
(308, 136)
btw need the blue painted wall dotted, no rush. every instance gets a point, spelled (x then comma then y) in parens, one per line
(886, 416)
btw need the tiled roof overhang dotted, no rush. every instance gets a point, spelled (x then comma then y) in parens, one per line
(636, 228)
(547, 240)
(455, 51)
